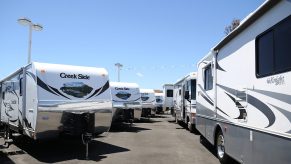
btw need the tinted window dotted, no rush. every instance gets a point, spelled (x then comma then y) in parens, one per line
(265, 51)
(273, 49)
(193, 89)
(169, 93)
(282, 43)
(208, 79)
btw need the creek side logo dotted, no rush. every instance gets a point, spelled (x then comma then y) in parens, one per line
(74, 76)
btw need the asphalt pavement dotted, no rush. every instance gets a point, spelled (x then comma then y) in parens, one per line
(156, 140)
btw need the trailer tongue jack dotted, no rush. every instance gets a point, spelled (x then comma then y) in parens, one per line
(86, 138)
(88, 132)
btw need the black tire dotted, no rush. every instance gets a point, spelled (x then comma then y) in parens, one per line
(190, 127)
(220, 148)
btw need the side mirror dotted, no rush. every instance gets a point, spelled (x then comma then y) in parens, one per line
(186, 95)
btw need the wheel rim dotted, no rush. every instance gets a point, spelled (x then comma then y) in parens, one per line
(220, 146)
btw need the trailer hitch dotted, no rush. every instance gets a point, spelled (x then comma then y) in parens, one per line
(86, 139)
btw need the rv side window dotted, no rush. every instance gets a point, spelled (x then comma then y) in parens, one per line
(20, 86)
(273, 49)
(208, 79)
(179, 91)
(193, 89)
(169, 93)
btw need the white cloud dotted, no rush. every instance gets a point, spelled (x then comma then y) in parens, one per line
(139, 74)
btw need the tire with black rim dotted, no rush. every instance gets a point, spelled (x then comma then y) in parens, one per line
(220, 148)
(190, 127)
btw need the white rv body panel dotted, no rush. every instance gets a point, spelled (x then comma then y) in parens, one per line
(249, 110)
(168, 90)
(148, 98)
(126, 96)
(185, 109)
(159, 102)
(52, 94)
(148, 102)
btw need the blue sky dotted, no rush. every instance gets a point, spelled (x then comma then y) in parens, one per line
(157, 41)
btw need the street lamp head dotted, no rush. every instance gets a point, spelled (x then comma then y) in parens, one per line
(24, 21)
(118, 65)
(37, 27)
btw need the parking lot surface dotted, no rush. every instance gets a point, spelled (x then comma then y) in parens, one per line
(156, 140)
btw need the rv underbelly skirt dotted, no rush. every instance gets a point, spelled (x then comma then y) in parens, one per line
(54, 118)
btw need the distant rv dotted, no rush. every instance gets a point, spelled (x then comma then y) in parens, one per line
(44, 100)
(126, 101)
(244, 91)
(159, 102)
(168, 97)
(148, 102)
(185, 100)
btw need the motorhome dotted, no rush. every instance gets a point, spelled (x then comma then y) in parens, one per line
(244, 95)
(168, 98)
(43, 100)
(185, 100)
(148, 102)
(159, 102)
(126, 100)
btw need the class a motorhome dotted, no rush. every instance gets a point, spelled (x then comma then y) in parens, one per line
(168, 98)
(185, 100)
(244, 92)
(159, 102)
(44, 100)
(126, 101)
(148, 102)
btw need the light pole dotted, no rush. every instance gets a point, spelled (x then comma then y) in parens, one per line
(32, 26)
(119, 66)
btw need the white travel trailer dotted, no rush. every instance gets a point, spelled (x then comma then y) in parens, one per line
(44, 100)
(185, 100)
(148, 102)
(126, 101)
(159, 102)
(244, 91)
(168, 97)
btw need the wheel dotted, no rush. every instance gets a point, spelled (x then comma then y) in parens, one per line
(190, 127)
(220, 148)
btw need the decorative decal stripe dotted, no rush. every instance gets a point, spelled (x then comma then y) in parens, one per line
(218, 67)
(49, 88)
(231, 91)
(256, 103)
(126, 101)
(203, 91)
(282, 97)
(286, 113)
(31, 75)
(209, 101)
(263, 108)
(99, 90)
(222, 111)
(44, 86)
(58, 92)
(104, 88)
(241, 111)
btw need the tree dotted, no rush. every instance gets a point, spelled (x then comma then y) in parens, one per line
(234, 24)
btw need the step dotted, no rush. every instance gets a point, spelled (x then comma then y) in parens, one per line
(16, 134)
(8, 140)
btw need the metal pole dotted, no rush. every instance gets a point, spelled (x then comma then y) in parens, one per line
(118, 65)
(29, 44)
(118, 74)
